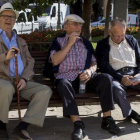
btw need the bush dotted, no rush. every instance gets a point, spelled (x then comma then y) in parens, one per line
(44, 36)
(48, 36)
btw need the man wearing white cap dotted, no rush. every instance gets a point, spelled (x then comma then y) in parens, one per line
(70, 54)
(38, 94)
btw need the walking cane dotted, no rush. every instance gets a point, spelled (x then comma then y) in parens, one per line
(18, 98)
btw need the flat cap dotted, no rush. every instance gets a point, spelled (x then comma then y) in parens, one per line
(74, 18)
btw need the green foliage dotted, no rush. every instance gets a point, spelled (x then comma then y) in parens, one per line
(135, 4)
(41, 5)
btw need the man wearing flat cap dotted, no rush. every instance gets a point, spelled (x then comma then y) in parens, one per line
(37, 94)
(69, 55)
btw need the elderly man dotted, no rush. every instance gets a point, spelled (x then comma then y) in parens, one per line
(38, 94)
(119, 55)
(70, 54)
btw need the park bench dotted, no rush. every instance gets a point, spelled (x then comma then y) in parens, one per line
(82, 99)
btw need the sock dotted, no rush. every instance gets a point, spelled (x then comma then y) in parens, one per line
(104, 118)
(133, 114)
(2, 125)
(23, 125)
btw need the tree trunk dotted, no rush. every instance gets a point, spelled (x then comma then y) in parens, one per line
(107, 18)
(86, 30)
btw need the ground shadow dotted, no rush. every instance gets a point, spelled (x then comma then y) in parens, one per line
(61, 128)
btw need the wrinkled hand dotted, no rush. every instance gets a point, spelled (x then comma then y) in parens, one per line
(21, 84)
(85, 76)
(72, 38)
(126, 80)
(11, 53)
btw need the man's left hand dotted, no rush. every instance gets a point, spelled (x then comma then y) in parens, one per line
(85, 76)
(21, 84)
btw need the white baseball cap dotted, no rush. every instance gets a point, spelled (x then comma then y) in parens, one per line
(74, 18)
(8, 6)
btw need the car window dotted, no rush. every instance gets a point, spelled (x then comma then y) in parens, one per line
(21, 17)
(29, 16)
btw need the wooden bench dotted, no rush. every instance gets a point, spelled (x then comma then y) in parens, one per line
(55, 101)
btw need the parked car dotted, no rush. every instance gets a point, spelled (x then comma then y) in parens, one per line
(50, 16)
(99, 23)
(132, 20)
(25, 23)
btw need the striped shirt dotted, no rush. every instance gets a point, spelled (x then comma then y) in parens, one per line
(74, 61)
(121, 55)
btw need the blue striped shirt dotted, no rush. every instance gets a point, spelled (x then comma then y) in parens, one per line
(9, 44)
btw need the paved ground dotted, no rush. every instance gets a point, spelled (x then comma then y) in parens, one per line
(58, 128)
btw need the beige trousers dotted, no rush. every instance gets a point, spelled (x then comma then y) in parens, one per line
(36, 93)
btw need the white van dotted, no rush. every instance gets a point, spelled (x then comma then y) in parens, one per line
(50, 15)
(25, 23)
(132, 20)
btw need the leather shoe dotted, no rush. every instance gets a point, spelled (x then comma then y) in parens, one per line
(109, 125)
(137, 118)
(21, 134)
(3, 134)
(79, 131)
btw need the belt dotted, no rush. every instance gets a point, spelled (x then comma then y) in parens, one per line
(126, 69)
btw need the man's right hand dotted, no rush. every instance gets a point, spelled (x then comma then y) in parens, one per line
(72, 38)
(11, 53)
(126, 80)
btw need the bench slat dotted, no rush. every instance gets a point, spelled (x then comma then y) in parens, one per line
(81, 99)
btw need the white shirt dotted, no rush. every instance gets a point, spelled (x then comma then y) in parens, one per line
(121, 55)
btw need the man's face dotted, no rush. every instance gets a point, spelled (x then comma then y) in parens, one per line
(117, 34)
(71, 27)
(7, 20)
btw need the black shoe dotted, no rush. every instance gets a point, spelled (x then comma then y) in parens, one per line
(109, 125)
(3, 134)
(136, 118)
(21, 134)
(79, 131)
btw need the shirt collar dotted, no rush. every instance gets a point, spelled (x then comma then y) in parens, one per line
(13, 33)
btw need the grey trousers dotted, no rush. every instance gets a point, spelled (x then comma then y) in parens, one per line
(120, 97)
(36, 93)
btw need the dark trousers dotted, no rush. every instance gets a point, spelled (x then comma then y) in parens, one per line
(101, 83)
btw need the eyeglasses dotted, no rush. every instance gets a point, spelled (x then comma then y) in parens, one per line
(76, 24)
(7, 17)
(117, 37)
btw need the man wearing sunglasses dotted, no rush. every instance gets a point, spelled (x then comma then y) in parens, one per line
(119, 55)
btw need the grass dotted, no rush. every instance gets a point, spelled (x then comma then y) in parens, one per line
(96, 39)
(94, 45)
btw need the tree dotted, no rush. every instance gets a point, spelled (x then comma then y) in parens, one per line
(41, 5)
(135, 4)
(107, 18)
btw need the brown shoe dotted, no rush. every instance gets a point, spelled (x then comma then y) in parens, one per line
(21, 134)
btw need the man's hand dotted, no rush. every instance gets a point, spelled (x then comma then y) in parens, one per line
(85, 76)
(126, 80)
(136, 82)
(21, 84)
(72, 38)
(11, 53)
